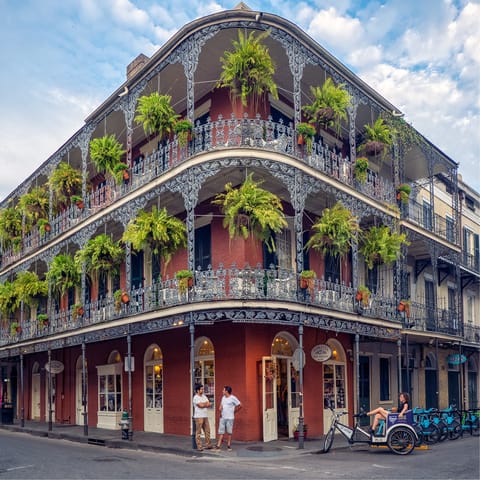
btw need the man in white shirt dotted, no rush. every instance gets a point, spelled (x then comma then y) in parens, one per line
(200, 414)
(229, 405)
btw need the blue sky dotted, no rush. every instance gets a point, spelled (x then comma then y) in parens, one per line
(61, 58)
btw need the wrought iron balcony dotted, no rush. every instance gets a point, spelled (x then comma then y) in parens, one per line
(211, 136)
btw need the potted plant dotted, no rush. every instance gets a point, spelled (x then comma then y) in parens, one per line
(105, 153)
(307, 279)
(377, 138)
(77, 311)
(183, 129)
(248, 70)
(306, 133)
(156, 114)
(251, 210)
(164, 234)
(78, 201)
(11, 228)
(296, 432)
(403, 192)
(15, 328)
(117, 299)
(185, 279)
(120, 172)
(42, 319)
(381, 245)
(44, 226)
(360, 169)
(329, 105)
(404, 306)
(334, 231)
(363, 295)
(65, 182)
(63, 273)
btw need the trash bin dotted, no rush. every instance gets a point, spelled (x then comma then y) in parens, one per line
(6, 417)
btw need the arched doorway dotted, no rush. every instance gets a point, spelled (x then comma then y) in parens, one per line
(280, 389)
(79, 391)
(153, 382)
(334, 381)
(205, 374)
(36, 391)
(431, 384)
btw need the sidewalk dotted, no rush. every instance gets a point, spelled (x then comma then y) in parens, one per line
(159, 442)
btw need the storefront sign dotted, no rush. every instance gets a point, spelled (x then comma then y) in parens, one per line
(456, 359)
(321, 353)
(54, 366)
(298, 359)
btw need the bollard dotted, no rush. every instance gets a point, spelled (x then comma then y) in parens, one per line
(125, 425)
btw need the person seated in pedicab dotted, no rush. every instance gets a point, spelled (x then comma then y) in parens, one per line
(381, 414)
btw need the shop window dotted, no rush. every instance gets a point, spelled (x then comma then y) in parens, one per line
(110, 388)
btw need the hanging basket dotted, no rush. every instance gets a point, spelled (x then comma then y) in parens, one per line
(125, 298)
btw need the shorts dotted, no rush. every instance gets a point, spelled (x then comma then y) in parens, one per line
(225, 424)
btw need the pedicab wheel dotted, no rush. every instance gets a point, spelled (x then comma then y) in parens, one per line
(327, 443)
(401, 441)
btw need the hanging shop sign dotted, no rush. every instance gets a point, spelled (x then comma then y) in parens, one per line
(54, 366)
(321, 353)
(456, 359)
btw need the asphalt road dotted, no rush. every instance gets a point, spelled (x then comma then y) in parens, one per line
(24, 456)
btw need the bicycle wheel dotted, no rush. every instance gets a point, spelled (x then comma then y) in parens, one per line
(328, 442)
(419, 432)
(401, 441)
(442, 427)
(454, 430)
(431, 434)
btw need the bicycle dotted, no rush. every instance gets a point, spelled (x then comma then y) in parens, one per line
(398, 434)
(425, 426)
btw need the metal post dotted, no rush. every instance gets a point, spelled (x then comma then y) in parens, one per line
(357, 371)
(22, 400)
(84, 391)
(462, 401)
(399, 364)
(407, 362)
(301, 433)
(130, 413)
(50, 426)
(192, 375)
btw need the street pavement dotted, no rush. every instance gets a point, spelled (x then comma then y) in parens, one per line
(177, 444)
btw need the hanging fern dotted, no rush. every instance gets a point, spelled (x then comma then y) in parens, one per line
(106, 153)
(65, 182)
(63, 273)
(164, 234)
(381, 245)
(334, 231)
(251, 210)
(248, 70)
(30, 288)
(101, 254)
(156, 114)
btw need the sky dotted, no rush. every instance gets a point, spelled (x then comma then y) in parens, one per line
(61, 58)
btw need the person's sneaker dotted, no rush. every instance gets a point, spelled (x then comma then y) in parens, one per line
(229, 448)
(217, 447)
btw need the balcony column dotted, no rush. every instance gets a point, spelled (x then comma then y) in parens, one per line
(187, 54)
(352, 115)
(434, 259)
(22, 393)
(83, 143)
(128, 105)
